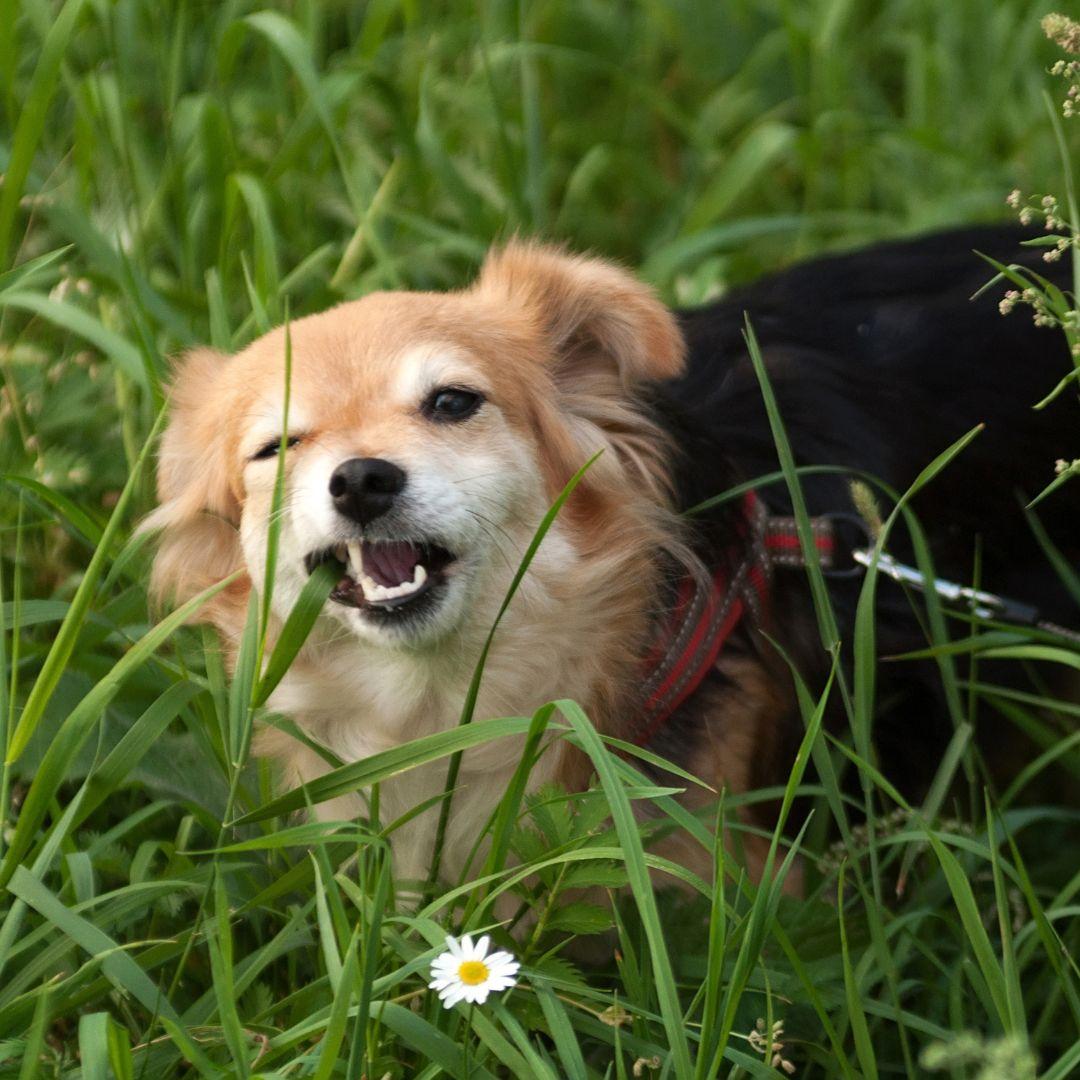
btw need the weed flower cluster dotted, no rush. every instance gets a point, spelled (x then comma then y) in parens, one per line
(1047, 310)
(896, 821)
(1042, 313)
(771, 1042)
(1063, 32)
(1050, 306)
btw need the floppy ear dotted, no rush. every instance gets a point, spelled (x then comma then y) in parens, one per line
(602, 334)
(199, 511)
(596, 317)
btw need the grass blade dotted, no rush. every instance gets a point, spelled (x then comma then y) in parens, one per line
(77, 726)
(64, 642)
(640, 885)
(120, 968)
(32, 117)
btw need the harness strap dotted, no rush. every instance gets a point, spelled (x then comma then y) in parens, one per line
(689, 641)
(705, 614)
(782, 541)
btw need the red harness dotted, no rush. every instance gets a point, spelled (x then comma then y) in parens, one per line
(689, 641)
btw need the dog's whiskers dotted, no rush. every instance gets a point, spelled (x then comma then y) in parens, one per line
(469, 479)
(511, 516)
(486, 526)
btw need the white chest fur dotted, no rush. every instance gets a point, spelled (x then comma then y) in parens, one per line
(358, 700)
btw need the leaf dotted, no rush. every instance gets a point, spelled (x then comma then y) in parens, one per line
(32, 117)
(25, 272)
(64, 642)
(118, 966)
(94, 1045)
(78, 724)
(128, 358)
(640, 884)
(220, 943)
(853, 994)
(305, 835)
(758, 152)
(344, 990)
(968, 909)
(297, 626)
(580, 918)
(562, 1031)
(69, 512)
(1047, 653)
(428, 1040)
(381, 766)
(593, 876)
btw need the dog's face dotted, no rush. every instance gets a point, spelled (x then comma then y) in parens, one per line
(409, 462)
(426, 434)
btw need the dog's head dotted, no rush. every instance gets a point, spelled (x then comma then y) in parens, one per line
(426, 436)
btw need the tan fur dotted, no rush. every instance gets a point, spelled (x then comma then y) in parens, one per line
(738, 744)
(557, 344)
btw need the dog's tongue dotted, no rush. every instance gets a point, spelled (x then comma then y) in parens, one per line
(390, 563)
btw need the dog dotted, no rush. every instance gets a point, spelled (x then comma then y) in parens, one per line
(429, 433)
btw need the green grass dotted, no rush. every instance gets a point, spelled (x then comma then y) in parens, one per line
(190, 172)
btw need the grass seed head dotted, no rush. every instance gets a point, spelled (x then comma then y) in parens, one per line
(1063, 32)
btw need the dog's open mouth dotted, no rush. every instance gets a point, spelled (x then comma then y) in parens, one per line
(384, 575)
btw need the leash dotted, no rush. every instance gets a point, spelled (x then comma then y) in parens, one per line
(985, 605)
(688, 642)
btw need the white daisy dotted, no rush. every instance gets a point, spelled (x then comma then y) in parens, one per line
(466, 973)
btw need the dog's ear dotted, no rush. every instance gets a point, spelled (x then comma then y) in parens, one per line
(198, 509)
(597, 319)
(601, 333)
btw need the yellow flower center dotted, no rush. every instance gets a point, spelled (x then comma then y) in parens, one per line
(472, 972)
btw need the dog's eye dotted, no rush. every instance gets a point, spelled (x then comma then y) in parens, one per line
(451, 403)
(270, 449)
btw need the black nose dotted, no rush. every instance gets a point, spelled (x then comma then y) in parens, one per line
(364, 488)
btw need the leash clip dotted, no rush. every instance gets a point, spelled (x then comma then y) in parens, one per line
(985, 605)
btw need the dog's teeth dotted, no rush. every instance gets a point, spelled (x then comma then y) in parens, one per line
(374, 592)
(371, 587)
(339, 553)
(355, 558)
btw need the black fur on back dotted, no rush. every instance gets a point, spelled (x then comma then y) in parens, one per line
(880, 359)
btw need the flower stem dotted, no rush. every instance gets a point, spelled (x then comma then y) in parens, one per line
(467, 1070)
